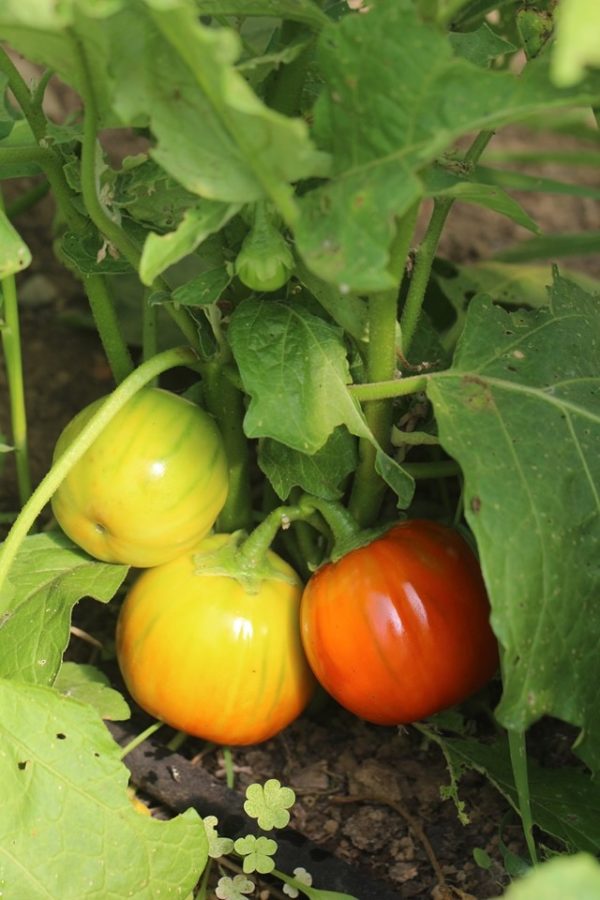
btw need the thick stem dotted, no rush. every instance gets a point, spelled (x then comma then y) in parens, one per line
(368, 488)
(149, 327)
(178, 356)
(107, 324)
(226, 404)
(11, 346)
(426, 253)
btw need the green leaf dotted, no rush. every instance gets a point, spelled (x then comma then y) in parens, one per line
(217, 846)
(14, 252)
(292, 361)
(48, 577)
(576, 877)
(532, 495)
(236, 888)
(565, 802)
(321, 474)
(577, 43)
(269, 804)
(149, 195)
(67, 827)
(348, 311)
(163, 250)
(378, 147)
(480, 46)
(204, 289)
(257, 853)
(89, 253)
(90, 685)
(305, 11)
(213, 133)
(440, 182)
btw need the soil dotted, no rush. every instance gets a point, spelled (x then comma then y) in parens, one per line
(367, 794)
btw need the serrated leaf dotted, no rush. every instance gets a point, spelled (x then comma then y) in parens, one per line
(14, 252)
(389, 67)
(67, 826)
(559, 878)
(520, 411)
(89, 684)
(320, 474)
(565, 802)
(269, 804)
(163, 250)
(47, 578)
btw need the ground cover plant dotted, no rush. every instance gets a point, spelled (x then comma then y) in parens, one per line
(274, 238)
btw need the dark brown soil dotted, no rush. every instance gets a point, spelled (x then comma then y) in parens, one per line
(370, 795)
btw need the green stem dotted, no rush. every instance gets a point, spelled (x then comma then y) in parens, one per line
(427, 250)
(11, 345)
(397, 387)
(442, 468)
(518, 758)
(368, 488)
(178, 356)
(226, 404)
(30, 104)
(149, 327)
(89, 186)
(27, 200)
(343, 526)
(107, 324)
(140, 738)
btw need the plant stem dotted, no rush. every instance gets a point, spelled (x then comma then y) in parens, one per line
(140, 738)
(177, 356)
(368, 488)
(31, 107)
(11, 346)
(397, 387)
(226, 404)
(442, 468)
(149, 327)
(103, 222)
(107, 324)
(426, 252)
(518, 758)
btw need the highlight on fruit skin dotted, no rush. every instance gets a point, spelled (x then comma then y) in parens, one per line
(150, 486)
(209, 657)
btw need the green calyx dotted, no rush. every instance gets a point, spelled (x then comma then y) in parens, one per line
(223, 555)
(265, 261)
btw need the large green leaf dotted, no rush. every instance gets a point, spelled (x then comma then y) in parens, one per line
(67, 826)
(294, 368)
(520, 411)
(49, 576)
(321, 474)
(577, 42)
(305, 11)
(565, 802)
(396, 97)
(560, 878)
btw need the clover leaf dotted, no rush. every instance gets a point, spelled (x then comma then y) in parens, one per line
(269, 804)
(234, 888)
(217, 846)
(301, 875)
(257, 853)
